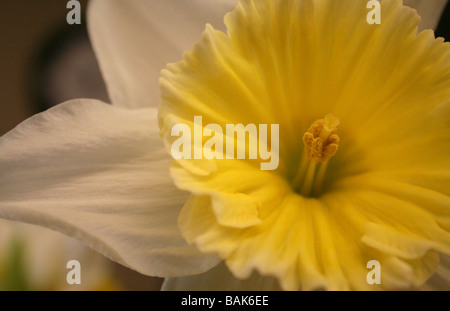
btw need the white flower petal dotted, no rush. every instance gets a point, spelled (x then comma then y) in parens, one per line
(220, 279)
(429, 10)
(135, 39)
(99, 173)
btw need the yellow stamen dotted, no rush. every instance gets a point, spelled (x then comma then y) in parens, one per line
(321, 143)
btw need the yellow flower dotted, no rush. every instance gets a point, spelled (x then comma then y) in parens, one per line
(364, 168)
(363, 171)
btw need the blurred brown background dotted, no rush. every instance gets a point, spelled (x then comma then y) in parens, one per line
(24, 25)
(32, 32)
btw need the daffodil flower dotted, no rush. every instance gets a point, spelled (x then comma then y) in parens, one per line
(363, 173)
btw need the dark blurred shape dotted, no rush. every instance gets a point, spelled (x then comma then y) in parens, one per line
(66, 68)
(443, 29)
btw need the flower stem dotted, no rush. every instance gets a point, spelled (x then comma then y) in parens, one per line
(309, 179)
(299, 176)
(320, 178)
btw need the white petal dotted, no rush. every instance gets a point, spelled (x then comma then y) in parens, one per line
(430, 11)
(135, 39)
(99, 173)
(220, 279)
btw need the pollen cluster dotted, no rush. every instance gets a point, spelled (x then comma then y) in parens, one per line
(321, 142)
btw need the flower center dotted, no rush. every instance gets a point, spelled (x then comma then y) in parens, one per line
(321, 143)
